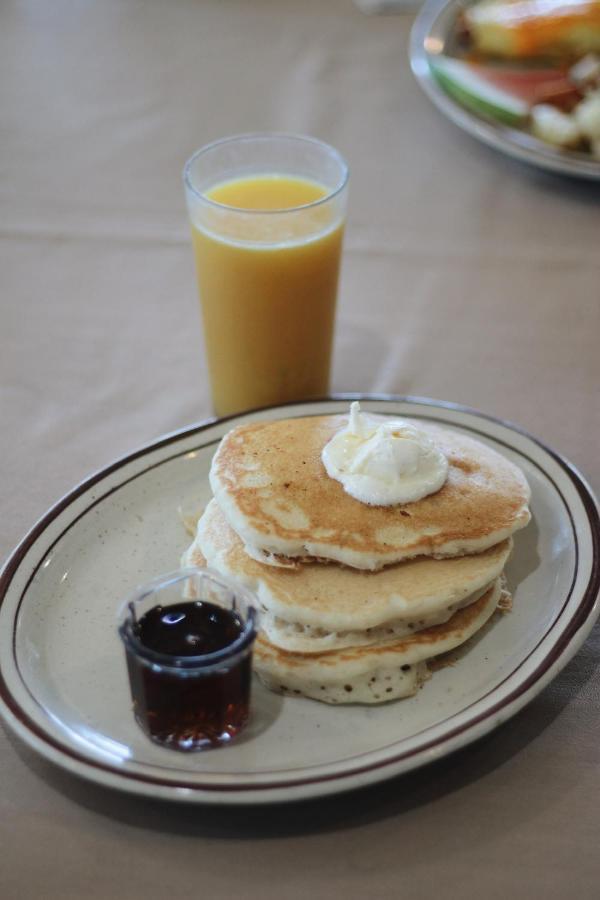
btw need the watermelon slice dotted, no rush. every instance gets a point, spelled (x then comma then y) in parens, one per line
(533, 85)
(463, 82)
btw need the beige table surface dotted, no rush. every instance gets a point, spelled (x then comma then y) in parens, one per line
(466, 276)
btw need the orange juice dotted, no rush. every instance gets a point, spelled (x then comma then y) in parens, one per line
(268, 284)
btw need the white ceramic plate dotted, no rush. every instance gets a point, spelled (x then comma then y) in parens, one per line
(433, 32)
(63, 682)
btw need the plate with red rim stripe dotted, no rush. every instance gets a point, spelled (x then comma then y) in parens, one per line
(63, 680)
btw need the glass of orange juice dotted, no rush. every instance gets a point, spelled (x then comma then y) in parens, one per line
(267, 213)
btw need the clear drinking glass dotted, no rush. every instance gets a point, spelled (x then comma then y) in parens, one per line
(267, 213)
(188, 640)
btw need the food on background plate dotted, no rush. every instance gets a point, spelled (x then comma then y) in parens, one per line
(529, 65)
(554, 126)
(526, 29)
(504, 93)
(479, 88)
(357, 594)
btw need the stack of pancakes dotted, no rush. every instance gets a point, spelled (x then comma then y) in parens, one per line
(356, 598)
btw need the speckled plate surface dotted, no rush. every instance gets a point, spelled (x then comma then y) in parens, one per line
(63, 681)
(432, 33)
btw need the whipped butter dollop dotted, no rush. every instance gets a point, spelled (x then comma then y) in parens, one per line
(383, 462)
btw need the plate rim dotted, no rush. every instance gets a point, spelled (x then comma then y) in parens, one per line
(561, 651)
(498, 137)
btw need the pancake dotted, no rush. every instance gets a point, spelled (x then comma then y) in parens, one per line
(373, 674)
(270, 482)
(316, 607)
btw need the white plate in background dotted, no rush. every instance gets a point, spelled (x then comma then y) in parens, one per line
(433, 31)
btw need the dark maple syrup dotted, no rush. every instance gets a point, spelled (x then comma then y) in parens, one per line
(188, 692)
